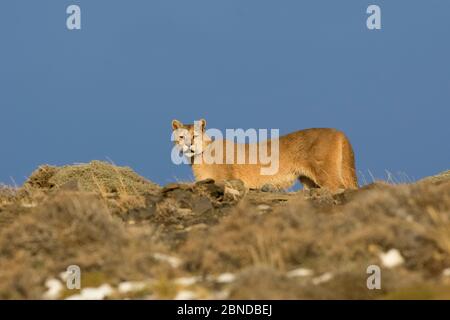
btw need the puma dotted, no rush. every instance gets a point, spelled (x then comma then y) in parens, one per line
(319, 158)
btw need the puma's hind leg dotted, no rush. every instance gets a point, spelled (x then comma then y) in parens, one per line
(347, 165)
(337, 172)
(330, 181)
(307, 183)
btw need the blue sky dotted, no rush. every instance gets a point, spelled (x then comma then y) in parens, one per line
(110, 90)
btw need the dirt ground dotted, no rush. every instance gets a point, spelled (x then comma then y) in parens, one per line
(134, 239)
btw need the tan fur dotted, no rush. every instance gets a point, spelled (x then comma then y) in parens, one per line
(319, 157)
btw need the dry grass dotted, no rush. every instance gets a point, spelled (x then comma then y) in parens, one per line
(117, 226)
(344, 240)
(7, 195)
(96, 176)
(121, 187)
(72, 228)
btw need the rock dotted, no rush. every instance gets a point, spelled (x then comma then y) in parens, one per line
(140, 214)
(270, 188)
(201, 205)
(183, 196)
(213, 191)
(234, 194)
(151, 200)
(234, 190)
(175, 186)
(205, 181)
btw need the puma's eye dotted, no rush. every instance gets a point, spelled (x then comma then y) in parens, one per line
(181, 136)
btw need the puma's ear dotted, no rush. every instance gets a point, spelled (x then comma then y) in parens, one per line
(176, 124)
(202, 124)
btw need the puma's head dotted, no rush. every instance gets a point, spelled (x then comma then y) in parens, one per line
(189, 138)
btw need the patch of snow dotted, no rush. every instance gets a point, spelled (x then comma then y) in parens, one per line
(55, 287)
(185, 295)
(391, 259)
(327, 276)
(173, 261)
(300, 272)
(446, 272)
(29, 205)
(99, 293)
(263, 207)
(130, 286)
(221, 295)
(225, 278)
(187, 281)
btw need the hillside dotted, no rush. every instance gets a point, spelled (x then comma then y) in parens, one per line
(135, 239)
